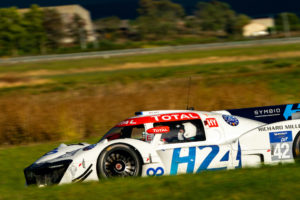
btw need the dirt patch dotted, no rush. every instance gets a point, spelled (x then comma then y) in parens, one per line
(24, 82)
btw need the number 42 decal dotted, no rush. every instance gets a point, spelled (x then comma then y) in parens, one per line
(282, 146)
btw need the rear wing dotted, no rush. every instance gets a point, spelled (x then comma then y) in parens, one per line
(269, 114)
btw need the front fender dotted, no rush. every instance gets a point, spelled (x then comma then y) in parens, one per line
(88, 157)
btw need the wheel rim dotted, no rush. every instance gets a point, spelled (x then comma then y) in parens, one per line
(119, 163)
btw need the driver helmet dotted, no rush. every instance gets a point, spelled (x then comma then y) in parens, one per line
(190, 130)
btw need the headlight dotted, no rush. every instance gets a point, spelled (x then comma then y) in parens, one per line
(89, 147)
(68, 154)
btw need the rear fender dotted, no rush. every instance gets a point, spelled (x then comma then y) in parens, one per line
(273, 141)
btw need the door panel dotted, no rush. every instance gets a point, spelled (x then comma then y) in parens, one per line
(194, 158)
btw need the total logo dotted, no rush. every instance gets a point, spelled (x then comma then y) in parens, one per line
(174, 117)
(159, 118)
(161, 129)
(127, 123)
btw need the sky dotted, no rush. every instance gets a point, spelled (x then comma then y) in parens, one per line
(126, 9)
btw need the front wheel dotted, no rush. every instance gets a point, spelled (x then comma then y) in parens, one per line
(119, 161)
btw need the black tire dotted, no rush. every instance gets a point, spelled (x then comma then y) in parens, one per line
(119, 160)
(296, 147)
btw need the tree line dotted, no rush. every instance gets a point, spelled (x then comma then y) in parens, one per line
(160, 19)
(37, 31)
(41, 31)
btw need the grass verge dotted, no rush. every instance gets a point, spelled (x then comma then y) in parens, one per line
(101, 62)
(276, 182)
(75, 105)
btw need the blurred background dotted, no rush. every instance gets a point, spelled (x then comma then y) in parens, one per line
(45, 27)
(229, 54)
(70, 70)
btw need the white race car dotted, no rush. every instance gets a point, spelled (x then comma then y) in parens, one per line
(156, 143)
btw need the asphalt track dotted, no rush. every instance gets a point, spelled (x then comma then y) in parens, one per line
(113, 53)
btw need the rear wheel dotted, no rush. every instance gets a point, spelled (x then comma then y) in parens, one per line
(119, 161)
(296, 147)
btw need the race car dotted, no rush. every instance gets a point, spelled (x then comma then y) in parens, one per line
(170, 142)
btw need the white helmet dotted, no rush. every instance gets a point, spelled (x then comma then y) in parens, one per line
(190, 130)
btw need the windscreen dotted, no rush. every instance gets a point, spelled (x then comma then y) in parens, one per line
(134, 132)
(183, 131)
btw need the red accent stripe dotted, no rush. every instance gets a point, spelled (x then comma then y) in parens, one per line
(158, 118)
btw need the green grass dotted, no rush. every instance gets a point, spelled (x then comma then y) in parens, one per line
(278, 74)
(99, 62)
(217, 73)
(177, 71)
(277, 182)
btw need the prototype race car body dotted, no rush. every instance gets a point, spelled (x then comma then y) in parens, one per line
(155, 143)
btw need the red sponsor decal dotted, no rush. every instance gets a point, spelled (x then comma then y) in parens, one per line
(159, 129)
(212, 122)
(159, 118)
(149, 137)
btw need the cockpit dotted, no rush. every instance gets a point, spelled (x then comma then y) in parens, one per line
(171, 128)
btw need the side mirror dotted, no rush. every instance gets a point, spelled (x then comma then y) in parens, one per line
(159, 130)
